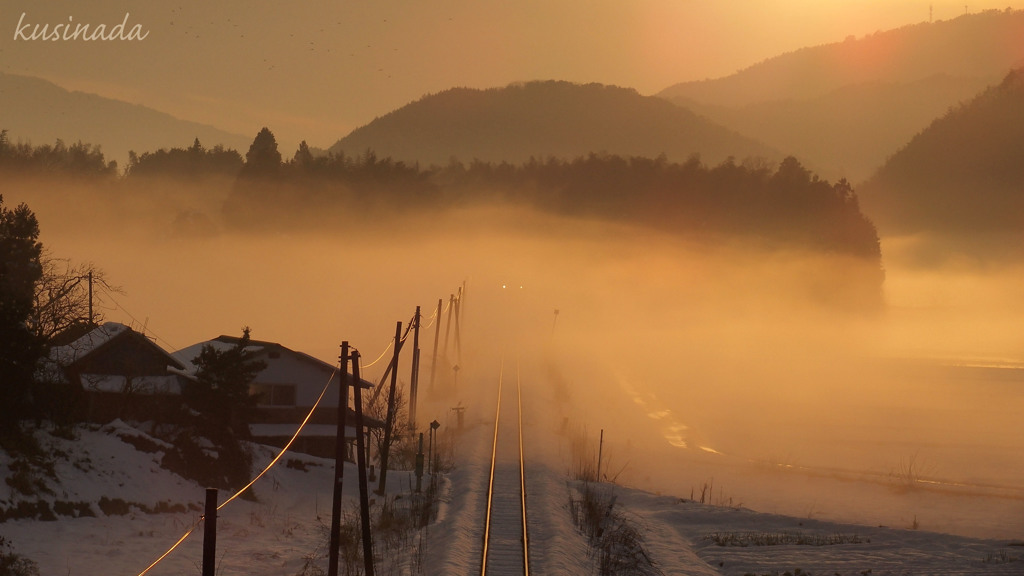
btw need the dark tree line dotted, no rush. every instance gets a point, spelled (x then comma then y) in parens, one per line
(787, 205)
(783, 205)
(191, 163)
(78, 159)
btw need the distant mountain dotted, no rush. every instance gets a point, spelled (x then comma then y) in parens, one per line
(542, 119)
(844, 107)
(962, 176)
(40, 112)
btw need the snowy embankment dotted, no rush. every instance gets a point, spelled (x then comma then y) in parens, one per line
(285, 530)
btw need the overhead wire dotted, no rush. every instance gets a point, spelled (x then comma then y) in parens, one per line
(433, 318)
(253, 481)
(390, 342)
(288, 445)
(138, 323)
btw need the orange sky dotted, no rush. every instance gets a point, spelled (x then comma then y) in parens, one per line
(320, 68)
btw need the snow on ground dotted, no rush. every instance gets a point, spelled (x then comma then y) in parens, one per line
(285, 529)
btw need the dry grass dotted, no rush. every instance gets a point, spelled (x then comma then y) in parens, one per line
(615, 542)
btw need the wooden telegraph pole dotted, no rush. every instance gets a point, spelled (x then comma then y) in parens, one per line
(390, 419)
(458, 340)
(437, 333)
(339, 463)
(414, 381)
(91, 315)
(364, 491)
(448, 324)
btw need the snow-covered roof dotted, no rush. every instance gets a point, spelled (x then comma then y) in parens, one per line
(87, 344)
(187, 355)
(267, 350)
(224, 343)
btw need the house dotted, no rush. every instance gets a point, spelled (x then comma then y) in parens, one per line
(122, 373)
(287, 389)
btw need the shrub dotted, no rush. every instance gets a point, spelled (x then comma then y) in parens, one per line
(72, 509)
(12, 564)
(618, 544)
(114, 507)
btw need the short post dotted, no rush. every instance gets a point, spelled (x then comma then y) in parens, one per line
(419, 466)
(459, 410)
(600, 450)
(210, 533)
(431, 465)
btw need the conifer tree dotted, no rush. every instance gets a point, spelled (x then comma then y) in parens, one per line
(20, 348)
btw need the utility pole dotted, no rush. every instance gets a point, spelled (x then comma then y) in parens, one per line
(364, 491)
(414, 381)
(339, 462)
(448, 325)
(91, 316)
(390, 419)
(437, 333)
(458, 340)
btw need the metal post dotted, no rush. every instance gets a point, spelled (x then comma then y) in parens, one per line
(210, 533)
(431, 465)
(339, 463)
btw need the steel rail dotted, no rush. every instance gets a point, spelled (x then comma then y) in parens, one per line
(521, 481)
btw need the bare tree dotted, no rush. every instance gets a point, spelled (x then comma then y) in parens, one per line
(400, 446)
(63, 296)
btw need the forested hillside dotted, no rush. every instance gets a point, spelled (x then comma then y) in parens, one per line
(542, 119)
(963, 175)
(845, 107)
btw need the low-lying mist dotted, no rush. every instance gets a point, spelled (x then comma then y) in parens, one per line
(719, 363)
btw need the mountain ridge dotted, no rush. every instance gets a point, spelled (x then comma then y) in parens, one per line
(960, 176)
(844, 107)
(542, 119)
(38, 111)
(908, 53)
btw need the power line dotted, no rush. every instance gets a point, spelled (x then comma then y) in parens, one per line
(253, 481)
(145, 325)
(390, 342)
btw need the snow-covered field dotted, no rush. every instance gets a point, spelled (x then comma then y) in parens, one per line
(285, 530)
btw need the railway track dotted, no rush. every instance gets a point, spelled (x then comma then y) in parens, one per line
(505, 543)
